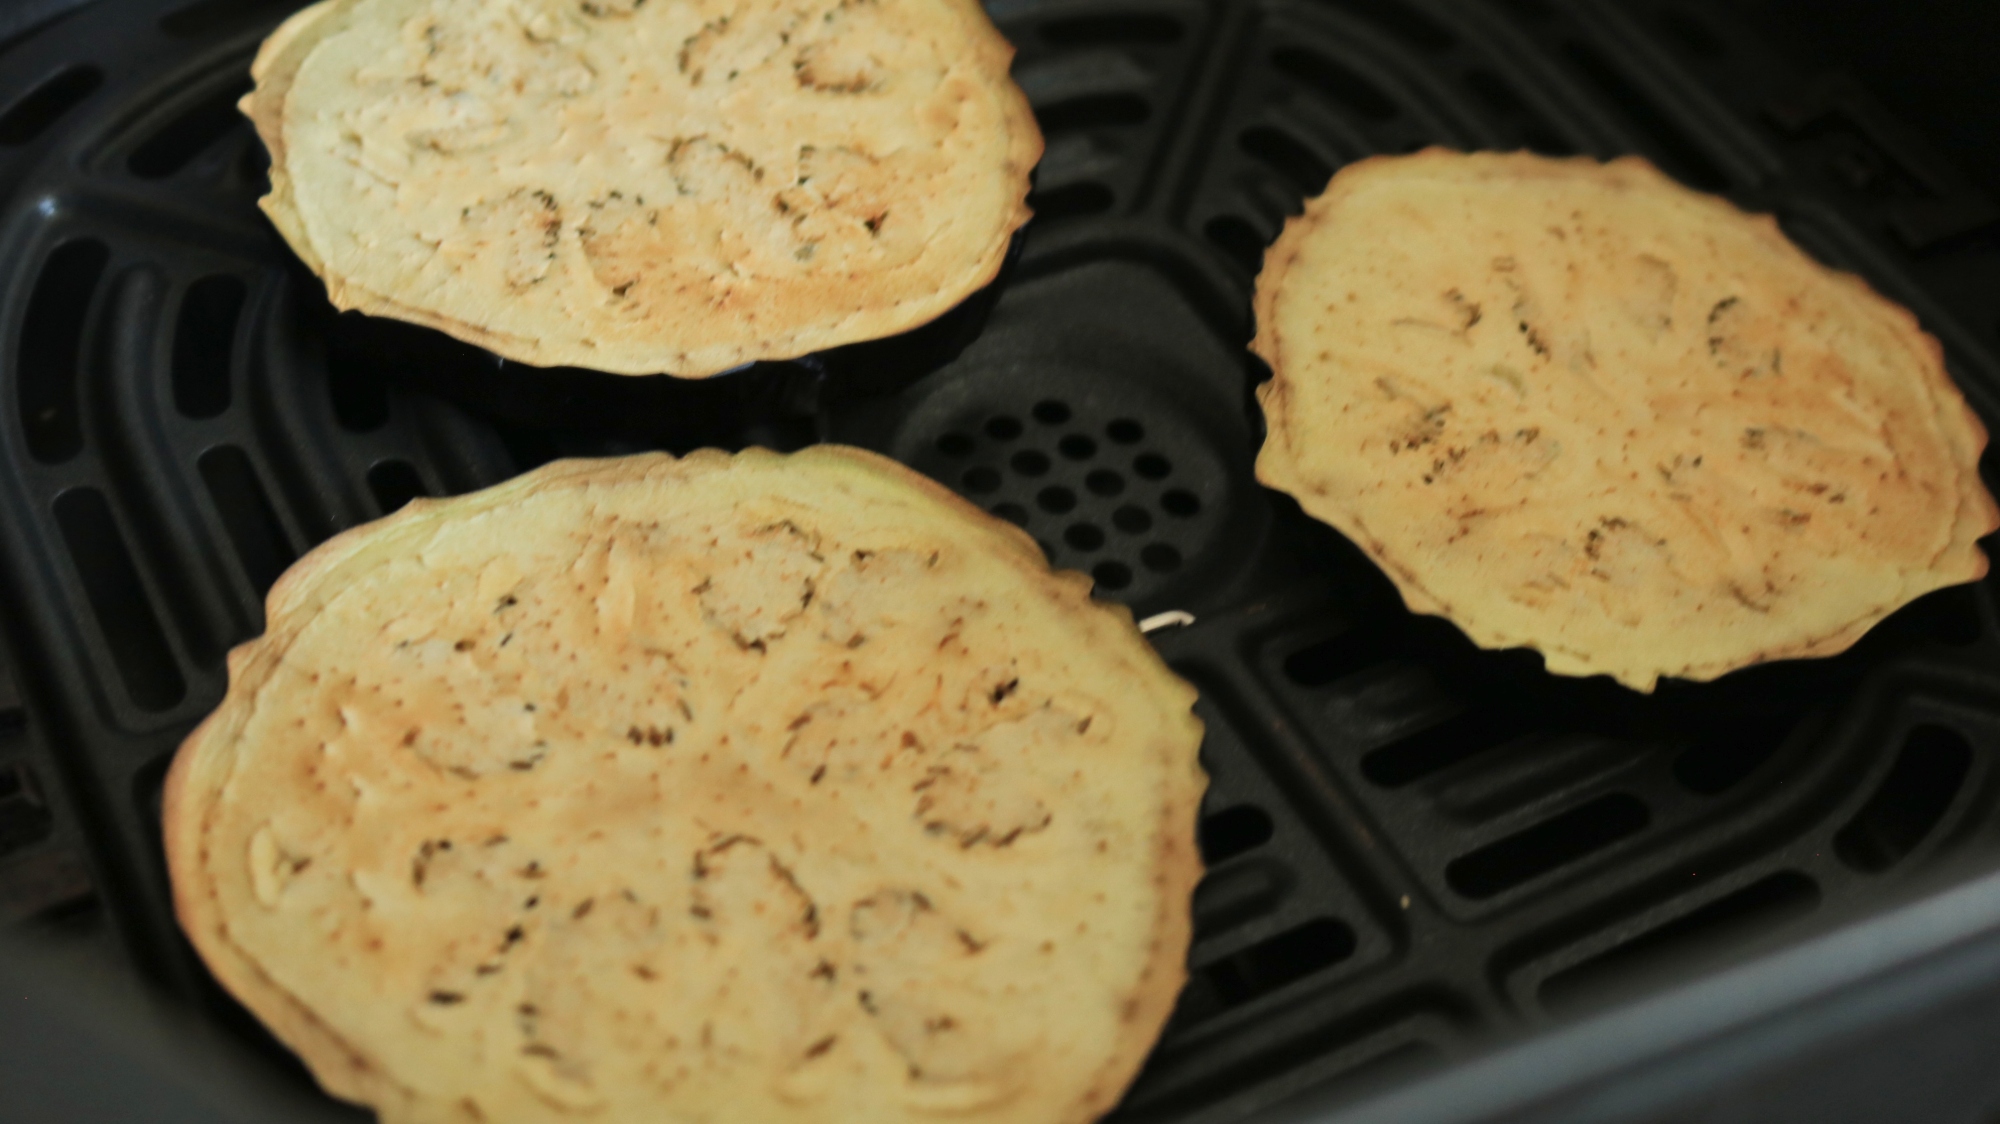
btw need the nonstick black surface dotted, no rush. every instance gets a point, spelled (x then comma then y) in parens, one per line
(1417, 849)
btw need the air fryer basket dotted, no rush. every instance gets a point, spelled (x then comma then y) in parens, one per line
(1417, 849)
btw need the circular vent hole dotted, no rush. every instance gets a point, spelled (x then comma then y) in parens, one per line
(1104, 482)
(1180, 502)
(1161, 558)
(1125, 431)
(1013, 513)
(1003, 428)
(1051, 412)
(1028, 462)
(1077, 447)
(1152, 466)
(982, 480)
(1112, 575)
(1132, 520)
(1084, 536)
(1056, 501)
(955, 445)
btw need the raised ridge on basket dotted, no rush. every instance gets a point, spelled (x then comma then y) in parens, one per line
(1710, 928)
(1273, 963)
(1548, 846)
(1403, 20)
(243, 504)
(1929, 771)
(188, 135)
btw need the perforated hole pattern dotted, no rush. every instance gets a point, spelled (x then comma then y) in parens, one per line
(1094, 494)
